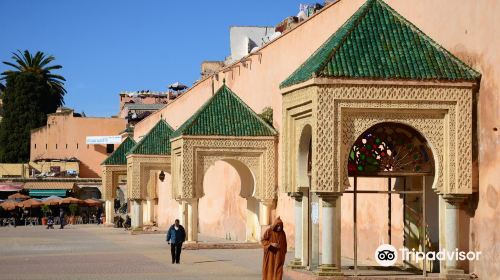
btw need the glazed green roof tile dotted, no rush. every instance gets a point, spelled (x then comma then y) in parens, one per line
(118, 157)
(378, 43)
(225, 114)
(156, 142)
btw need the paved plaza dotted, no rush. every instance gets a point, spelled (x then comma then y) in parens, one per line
(93, 252)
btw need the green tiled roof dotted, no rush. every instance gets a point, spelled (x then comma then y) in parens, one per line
(156, 142)
(225, 114)
(118, 157)
(378, 43)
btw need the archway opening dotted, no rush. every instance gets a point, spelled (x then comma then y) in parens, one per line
(307, 228)
(390, 201)
(228, 209)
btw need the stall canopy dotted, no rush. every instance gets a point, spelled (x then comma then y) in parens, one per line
(44, 189)
(7, 187)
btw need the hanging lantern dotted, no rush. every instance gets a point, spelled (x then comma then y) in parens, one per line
(161, 176)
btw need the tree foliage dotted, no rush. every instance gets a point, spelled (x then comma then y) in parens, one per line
(2, 89)
(31, 92)
(267, 115)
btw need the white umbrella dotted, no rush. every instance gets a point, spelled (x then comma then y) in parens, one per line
(177, 86)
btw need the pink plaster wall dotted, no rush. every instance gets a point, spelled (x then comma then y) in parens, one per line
(469, 29)
(67, 132)
(222, 211)
(372, 220)
(168, 208)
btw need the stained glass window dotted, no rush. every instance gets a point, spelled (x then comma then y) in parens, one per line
(390, 147)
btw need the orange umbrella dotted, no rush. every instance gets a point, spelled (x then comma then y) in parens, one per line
(71, 200)
(52, 201)
(30, 203)
(18, 196)
(93, 202)
(9, 205)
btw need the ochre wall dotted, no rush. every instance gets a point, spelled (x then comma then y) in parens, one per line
(222, 211)
(12, 170)
(469, 29)
(67, 131)
(168, 209)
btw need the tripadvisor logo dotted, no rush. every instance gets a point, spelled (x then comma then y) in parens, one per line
(387, 255)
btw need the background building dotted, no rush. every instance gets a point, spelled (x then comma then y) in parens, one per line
(63, 140)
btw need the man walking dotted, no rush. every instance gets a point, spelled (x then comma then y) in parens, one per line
(175, 237)
(61, 217)
(99, 214)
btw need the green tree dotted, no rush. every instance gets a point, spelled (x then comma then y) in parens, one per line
(2, 89)
(31, 92)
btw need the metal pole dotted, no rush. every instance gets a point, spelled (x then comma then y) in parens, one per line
(355, 228)
(389, 210)
(309, 226)
(404, 213)
(424, 225)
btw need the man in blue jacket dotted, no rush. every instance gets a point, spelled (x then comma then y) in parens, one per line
(175, 236)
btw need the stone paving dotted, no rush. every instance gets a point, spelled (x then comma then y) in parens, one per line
(94, 252)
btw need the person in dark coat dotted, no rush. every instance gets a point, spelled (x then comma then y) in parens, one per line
(61, 217)
(99, 214)
(176, 235)
(50, 222)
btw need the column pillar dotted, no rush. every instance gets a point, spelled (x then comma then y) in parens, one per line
(265, 212)
(451, 228)
(136, 218)
(182, 214)
(296, 263)
(192, 217)
(149, 211)
(305, 228)
(109, 211)
(329, 265)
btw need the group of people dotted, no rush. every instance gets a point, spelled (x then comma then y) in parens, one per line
(50, 219)
(273, 241)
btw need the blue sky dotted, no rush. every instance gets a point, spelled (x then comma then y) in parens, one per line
(109, 46)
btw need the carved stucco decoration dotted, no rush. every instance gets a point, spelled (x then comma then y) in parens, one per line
(297, 113)
(141, 168)
(442, 113)
(110, 176)
(193, 155)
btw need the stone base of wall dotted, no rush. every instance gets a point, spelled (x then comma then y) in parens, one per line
(292, 274)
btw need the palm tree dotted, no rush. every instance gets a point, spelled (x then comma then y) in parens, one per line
(2, 88)
(38, 64)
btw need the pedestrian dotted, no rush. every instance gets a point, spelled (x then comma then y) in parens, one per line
(14, 218)
(99, 214)
(116, 205)
(61, 217)
(50, 222)
(274, 243)
(128, 222)
(176, 235)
